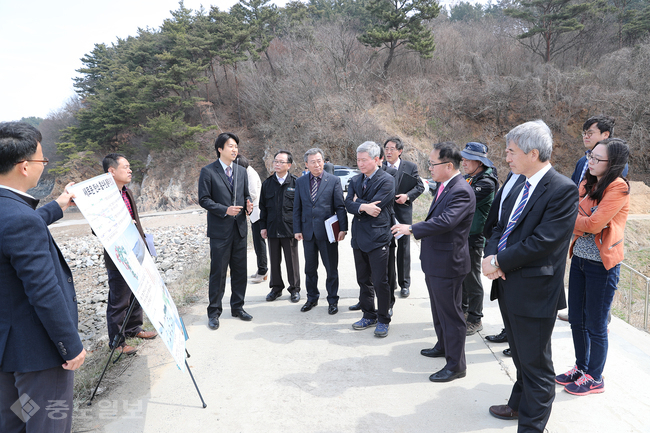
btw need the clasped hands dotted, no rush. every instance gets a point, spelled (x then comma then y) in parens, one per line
(490, 271)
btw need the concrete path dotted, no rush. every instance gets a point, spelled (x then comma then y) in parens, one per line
(288, 371)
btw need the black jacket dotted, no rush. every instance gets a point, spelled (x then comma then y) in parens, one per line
(276, 206)
(485, 186)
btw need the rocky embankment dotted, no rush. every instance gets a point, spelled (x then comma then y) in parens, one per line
(178, 247)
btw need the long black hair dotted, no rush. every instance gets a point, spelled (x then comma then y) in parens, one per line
(618, 153)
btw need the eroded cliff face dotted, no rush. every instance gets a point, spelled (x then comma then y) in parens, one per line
(163, 180)
(169, 183)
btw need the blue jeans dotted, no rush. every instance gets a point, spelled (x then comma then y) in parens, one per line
(591, 291)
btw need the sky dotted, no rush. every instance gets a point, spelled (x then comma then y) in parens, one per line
(42, 42)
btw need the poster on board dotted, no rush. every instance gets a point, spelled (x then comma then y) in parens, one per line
(102, 205)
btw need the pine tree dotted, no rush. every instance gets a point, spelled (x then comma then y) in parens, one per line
(546, 21)
(399, 23)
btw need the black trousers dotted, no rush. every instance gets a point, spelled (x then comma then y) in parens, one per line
(224, 253)
(259, 245)
(530, 343)
(119, 300)
(404, 262)
(42, 398)
(473, 288)
(372, 276)
(392, 272)
(329, 254)
(448, 319)
(288, 246)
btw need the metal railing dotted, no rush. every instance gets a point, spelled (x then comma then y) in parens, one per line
(632, 299)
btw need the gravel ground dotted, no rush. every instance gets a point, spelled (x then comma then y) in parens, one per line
(180, 243)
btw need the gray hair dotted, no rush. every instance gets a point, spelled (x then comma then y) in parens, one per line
(314, 151)
(369, 147)
(533, 135)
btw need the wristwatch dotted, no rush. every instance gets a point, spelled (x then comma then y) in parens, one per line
(411, 229)
(493, 262)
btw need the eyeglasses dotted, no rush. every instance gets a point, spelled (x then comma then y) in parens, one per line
(589, 133)
(432, 164)
(44, 161)
(275, 161)
(591, 157)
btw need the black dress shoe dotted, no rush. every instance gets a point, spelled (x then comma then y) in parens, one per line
(308, 306)
(213, 323)
(295, 297)
(507, 352)
(445, 375)
(405, 292)
(355, 307)
(273, 295)
(242, 315)
(432, 353)
(503, 411)
(333, 309)
(499, 338)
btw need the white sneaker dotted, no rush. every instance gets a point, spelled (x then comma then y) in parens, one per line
(257, 278)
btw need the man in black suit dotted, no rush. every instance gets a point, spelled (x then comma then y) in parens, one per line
(223, 192)
(444, 255)
(392, 273)
(513, 181)
(39, 344)
(318, 197)
(403, 208)
(370, 200)
(526, 258)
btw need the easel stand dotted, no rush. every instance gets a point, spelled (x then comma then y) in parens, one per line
(119, 338)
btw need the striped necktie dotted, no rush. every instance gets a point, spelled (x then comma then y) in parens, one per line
(229, 175)
(515, 217)
(314, 188)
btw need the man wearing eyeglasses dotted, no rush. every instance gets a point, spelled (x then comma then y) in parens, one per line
(276, 223)
(403, 208)
(595, 129)
(120, 296)
(39, 344)
(445, 258)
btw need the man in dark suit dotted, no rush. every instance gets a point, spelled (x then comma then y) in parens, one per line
(318, 197)
(39, 344)
(526, 258)
(223, 192)
(444, 254)
(512, 182)
(392, 273)
(370, 200)
(120, 296)
(403, 208)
